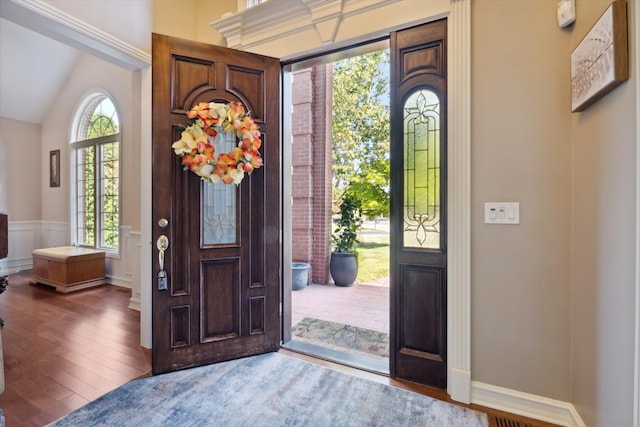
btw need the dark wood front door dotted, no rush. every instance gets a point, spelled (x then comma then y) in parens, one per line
(418, 204)
(223, 261)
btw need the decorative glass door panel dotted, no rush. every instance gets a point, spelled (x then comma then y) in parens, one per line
(422, 170)
(219, 203)
(418, 276)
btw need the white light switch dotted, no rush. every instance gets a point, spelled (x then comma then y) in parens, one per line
(502, 213)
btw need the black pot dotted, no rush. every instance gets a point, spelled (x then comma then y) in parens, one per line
(343, 268)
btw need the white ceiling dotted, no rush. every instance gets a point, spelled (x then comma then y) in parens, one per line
(33, 70)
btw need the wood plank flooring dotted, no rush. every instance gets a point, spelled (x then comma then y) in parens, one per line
(62, 351)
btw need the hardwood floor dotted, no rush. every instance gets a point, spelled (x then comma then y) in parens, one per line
(62, 351)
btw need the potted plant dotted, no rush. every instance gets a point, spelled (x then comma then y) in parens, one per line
(343, 264)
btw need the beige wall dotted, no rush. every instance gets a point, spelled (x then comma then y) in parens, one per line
(21, 173)
(521, 152)
(604, 198)
(198, 12)
(552, 298)
(89, 74)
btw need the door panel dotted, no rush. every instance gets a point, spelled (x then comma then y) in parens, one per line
(418, 204)
(224, 257)
(421, 300)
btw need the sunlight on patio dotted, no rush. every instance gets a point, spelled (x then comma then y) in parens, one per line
(363, 305)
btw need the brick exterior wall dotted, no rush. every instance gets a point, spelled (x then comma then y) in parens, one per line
(311, 160)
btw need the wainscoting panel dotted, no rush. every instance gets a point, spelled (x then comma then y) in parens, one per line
(132, 264)
(124, 269)
(54, 234)
(26, 236)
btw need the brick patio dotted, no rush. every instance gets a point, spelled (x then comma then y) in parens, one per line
(362, 305)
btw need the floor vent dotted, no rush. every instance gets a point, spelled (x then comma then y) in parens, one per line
(506, 422)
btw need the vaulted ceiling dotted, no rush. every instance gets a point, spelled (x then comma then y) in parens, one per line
(33, 70)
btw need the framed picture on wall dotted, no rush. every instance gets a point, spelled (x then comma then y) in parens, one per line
(54, 168)
(600, 62)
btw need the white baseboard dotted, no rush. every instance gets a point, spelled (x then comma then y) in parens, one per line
(125, 282)
(134, 304)
(11, 266)
(525, 404)
(460, 385)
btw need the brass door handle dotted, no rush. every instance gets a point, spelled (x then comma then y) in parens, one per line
(162, 244)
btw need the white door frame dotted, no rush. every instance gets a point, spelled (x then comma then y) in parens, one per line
(306, 28)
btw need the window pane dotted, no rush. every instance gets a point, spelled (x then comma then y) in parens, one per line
(85, 190)
(251, 3)
(97, 175)
(109, 200)
(104, 120)
(219, 211)
(422, 170)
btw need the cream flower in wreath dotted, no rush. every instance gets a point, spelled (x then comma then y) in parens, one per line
(191, 136)
(196, 149)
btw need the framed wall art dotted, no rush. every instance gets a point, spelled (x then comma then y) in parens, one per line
(600, 62)
(54, 168)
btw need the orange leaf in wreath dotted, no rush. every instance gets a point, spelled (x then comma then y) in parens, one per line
(252, 162)
(251, 144)
(201, 110)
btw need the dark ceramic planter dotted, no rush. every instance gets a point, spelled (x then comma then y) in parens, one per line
(343, 268)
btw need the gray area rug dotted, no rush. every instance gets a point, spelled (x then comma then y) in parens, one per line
(267, 390)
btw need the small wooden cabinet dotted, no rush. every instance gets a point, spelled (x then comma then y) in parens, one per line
(69, 268)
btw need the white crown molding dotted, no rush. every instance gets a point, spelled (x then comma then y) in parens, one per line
(280, 27)
(52, 22)
(525, 404)
(262, 22)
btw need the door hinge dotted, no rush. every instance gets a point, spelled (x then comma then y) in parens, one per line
(280, 309)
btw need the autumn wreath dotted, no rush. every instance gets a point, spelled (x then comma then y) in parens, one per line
(196, 146)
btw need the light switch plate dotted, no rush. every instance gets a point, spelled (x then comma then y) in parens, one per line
(502, 213)
(566, 13)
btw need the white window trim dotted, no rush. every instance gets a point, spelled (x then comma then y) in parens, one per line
(79, 116)
(247, 4)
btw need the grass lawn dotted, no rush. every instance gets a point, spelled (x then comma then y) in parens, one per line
(373, 256)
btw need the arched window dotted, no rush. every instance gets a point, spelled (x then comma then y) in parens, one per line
(95, 174)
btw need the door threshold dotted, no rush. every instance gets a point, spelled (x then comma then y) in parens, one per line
(376, 366)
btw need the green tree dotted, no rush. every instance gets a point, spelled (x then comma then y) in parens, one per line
(108, 161)
(361, 130)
